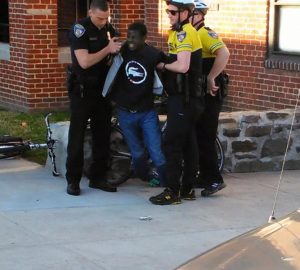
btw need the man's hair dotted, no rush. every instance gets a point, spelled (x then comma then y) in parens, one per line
(140, 27)
(100, 4)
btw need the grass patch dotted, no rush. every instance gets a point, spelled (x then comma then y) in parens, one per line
(29, 126)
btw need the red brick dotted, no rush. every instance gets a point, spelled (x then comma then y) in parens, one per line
(34, 65)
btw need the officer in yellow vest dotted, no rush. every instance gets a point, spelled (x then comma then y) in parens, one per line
(183, 83)
(215, 57)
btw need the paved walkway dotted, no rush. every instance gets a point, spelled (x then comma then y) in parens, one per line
(41, 227)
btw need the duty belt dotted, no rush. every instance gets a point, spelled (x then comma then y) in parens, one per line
(127, 110)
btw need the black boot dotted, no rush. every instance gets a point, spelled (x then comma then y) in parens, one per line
(73, 189)
(103, 185)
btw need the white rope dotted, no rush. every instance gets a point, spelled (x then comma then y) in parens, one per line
(272, 217)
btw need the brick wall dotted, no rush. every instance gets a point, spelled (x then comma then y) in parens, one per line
(244, 27)
(12, 73)
(33, 79)
(124, 12)
(157, 23)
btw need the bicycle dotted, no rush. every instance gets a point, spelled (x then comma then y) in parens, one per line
(119, 162)
(120, 153)
(120, 158)
(13, 146)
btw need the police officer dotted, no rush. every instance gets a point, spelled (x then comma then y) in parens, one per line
(92, 41)
(215, 57)
(183, 84)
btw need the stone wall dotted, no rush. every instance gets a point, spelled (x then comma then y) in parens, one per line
(257, 141)
(252, 141)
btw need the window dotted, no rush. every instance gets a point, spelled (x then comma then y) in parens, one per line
(284, 33)
(69, 12)
(4, 29)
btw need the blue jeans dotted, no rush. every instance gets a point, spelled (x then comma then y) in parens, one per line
(141, 130)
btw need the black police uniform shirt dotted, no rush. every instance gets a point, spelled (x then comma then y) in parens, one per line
(85, 35)
(133, 88)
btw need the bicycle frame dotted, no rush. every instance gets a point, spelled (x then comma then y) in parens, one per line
(12, 146)
(50, 145)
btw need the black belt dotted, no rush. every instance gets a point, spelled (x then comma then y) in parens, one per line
(128, 110)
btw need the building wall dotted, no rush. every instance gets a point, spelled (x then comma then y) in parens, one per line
(244, 26)
(257, 140)
(33, 78)
(125, 12)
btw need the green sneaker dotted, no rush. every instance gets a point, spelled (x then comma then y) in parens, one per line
(154, 182)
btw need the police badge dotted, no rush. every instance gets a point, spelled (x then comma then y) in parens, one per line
(181, 36)
(79, 30)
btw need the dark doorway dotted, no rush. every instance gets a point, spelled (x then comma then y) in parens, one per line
(69, 12)
(4, 26)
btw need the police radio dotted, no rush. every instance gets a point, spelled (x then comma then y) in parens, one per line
(111, 33)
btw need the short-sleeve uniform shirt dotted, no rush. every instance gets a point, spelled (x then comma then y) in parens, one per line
(210, 43)
(185, 40)
(85, 35)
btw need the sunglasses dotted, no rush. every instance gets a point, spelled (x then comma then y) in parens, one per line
(172, 12)
(197, 12)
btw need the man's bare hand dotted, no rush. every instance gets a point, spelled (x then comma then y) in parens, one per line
(212, 88)
(114, 45)
(160, 66)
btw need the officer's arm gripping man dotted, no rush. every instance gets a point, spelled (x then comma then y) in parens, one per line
(181, 65)
(86, 59)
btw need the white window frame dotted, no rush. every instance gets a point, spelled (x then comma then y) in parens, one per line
(277, 57)
(64, 55)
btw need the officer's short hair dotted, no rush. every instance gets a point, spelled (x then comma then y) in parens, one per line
(139, 27)
(100, 4)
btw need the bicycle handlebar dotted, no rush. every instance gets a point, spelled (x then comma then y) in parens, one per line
(11, 146)
(37, 145)
(49, 132)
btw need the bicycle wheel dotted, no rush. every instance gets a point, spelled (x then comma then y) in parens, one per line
(219, 148)
(10, 139)
(12, 149)
(120, 160)
(220, 154)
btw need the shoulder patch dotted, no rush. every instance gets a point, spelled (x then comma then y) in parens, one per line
(213, 34)
(79, 30)
(181, 36)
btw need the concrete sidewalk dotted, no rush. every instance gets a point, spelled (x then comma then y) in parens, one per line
(41, 227)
